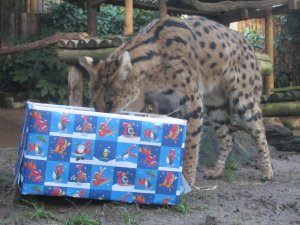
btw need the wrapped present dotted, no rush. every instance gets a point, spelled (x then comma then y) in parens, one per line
(74, 151)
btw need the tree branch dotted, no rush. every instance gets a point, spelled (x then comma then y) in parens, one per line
(42, 43)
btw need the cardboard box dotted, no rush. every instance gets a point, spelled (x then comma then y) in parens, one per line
(74, 151)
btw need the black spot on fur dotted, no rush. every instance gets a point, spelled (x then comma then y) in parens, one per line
(168, 92)
(212, 45)
(196, 24)
(178, 71)
(235, 101)
(202, 44)
(176, 39)
(213, 65)
(148, 56)
(183, 100)
(206, 30)
(198, 33)
(197, 132)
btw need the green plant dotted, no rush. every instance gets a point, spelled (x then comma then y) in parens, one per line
(37, 211)
(81, 220)
(38, 73)
(285, 39)
(256, 39)
(63, 17)
(183, 207)
(129, 216)
(81, 216)
(229, 173)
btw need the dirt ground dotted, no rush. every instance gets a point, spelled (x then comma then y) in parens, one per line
(239, 198)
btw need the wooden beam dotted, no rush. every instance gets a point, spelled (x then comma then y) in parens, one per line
(163, 9)
(226, 6)
(236, 16)
(71, 56)
(269, 80)
(244, 14)
(96, 3)
(92, 19)
(128, 22)
(155, 7)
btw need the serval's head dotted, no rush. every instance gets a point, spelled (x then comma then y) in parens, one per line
(110, 82)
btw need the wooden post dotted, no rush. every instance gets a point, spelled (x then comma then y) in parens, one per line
(163, 9)
(92, 19)
(128, 22)
(269, 81)
(75, 86)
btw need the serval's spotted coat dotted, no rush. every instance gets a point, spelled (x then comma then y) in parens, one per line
(205, 64)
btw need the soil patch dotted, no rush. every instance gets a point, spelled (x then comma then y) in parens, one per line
(237, 198)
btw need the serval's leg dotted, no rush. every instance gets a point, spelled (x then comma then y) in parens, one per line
(218, 116)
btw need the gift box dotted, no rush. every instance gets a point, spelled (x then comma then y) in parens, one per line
(76, 152)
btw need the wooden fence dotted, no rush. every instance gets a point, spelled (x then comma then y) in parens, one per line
(19, 18)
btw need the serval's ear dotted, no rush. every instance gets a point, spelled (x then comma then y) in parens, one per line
(125, 66)
(91, 65)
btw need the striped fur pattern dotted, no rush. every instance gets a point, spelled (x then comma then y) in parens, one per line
(201, 62)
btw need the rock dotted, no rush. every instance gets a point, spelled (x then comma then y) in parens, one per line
(282, 138)
(244, 147)
(276, 131)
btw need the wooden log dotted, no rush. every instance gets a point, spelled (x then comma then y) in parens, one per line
(263, 57)
(287, 96)
(82, 43)
(105, 44)
(275, 97)
(71, 56)
(72, 44)
(285, 89)
(92, 43)
(265, 68)
(269, 80)
(128, 22)
(264, 98)
(41, 43)
(62, 43)
(75, 86)
(281, 109)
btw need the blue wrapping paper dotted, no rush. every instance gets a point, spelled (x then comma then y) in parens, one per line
(76, 152)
